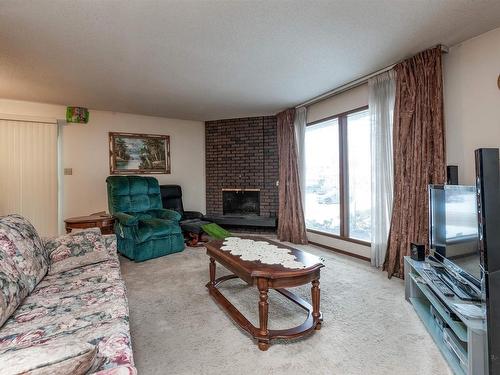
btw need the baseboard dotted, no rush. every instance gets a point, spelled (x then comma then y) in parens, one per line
(340, 251)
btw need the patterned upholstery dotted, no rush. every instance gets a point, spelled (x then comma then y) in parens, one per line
(87, 303)
(75, 250)
(23, 262)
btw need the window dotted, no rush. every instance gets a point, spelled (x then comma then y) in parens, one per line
(322, 177)
(338, 176)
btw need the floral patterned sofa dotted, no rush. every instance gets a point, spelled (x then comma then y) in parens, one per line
(43, 314)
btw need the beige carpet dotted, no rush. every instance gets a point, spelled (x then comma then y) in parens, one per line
(368, 326)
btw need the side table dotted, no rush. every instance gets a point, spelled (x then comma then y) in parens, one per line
(100, 220)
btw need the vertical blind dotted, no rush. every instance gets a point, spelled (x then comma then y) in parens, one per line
(28, 172)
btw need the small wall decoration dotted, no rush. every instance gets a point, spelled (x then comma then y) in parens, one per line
(131, 153)
(78, 115)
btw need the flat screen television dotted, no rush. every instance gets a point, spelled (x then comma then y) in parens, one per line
(453, 229)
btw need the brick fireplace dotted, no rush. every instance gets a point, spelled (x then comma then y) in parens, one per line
(242, 155)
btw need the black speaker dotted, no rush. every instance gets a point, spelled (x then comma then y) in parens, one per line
(452, 174)
(417, 252)
(488, 204)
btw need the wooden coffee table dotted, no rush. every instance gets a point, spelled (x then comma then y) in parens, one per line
(265, 276)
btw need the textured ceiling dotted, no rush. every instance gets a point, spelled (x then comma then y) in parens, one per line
(207, 60)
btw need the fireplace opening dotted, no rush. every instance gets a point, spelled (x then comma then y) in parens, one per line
(241, 202)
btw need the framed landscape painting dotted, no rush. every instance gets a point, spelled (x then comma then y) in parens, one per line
(131, 153)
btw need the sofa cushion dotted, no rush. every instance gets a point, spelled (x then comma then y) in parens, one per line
(156, 228)
(87, 303)
(30, 257)
(75, 250)
(61, 357)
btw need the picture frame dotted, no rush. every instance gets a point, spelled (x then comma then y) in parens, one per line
(135, 153)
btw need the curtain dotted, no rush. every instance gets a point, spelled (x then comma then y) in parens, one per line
(291, 226)
(28, 166)
(381, 97)
(419, 152)
(300, 136)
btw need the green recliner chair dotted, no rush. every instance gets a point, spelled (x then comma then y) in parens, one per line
(144, 229)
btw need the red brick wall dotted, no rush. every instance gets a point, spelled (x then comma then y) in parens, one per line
(242, 154)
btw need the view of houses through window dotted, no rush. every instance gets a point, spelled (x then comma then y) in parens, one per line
(338, 176)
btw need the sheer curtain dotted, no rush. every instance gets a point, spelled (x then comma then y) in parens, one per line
(381, 99)
(300, 136)
(28, 165)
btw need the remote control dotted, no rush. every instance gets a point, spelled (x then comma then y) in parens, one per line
(443, 288)
(434, 277)
(431, 274)
(456, 286)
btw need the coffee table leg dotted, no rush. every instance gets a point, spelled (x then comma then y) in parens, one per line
(212, 271)
(263, 313)
(315, 292)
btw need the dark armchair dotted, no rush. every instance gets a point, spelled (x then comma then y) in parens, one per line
(191, 221)
(144, 229)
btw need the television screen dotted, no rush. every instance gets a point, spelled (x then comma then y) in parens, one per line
(454, 226)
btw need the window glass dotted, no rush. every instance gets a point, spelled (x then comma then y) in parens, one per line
(322, 208)
(359, 174)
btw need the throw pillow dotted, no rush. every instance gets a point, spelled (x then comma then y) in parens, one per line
(13, 288)
(28, 253)
(75, 250)
(62, 357)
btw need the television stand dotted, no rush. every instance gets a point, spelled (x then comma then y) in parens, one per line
(461, 339)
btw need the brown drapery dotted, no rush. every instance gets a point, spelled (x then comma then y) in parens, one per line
(291, 225)
(419, 152)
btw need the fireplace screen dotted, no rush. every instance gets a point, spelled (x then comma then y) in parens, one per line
(241, 202)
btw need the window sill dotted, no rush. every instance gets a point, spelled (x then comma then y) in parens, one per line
(353, 240)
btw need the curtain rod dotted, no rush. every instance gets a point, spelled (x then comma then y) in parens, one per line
(355, 83)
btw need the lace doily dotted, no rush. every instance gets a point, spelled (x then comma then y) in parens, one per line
(261, 250)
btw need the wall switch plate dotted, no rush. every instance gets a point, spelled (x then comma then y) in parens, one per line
(68, 171)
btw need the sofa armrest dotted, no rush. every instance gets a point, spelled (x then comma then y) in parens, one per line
(126, 219)
(162, 213)
(110, 243)
(75, 250)
(188, 215)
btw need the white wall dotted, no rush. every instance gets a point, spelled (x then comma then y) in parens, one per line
(85, 150)
(472, 100)
(346, 101)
